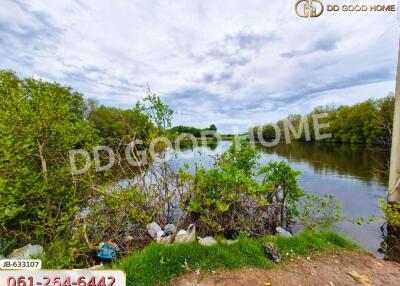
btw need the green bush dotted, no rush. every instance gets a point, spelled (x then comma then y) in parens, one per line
(229, 199)
(123, 212)
(319, 212)
(39, 123)
(67, 251)
(280, 184)
(392, 212)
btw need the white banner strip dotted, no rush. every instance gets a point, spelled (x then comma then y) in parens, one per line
(62, 278)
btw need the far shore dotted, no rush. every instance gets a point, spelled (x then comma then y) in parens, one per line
(231, 137)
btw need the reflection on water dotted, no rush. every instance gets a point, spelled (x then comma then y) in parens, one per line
(209, 145)
(355, 174)
(369, 164)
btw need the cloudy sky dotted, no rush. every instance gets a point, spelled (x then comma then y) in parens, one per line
(235, 63)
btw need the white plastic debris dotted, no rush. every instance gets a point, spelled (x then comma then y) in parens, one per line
(26, 252)
(169, 229)
(207, 241)
(185, 236)
(153, 228)
(159, 235)
(283, 231)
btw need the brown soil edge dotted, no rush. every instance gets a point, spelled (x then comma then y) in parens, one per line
(329, 268)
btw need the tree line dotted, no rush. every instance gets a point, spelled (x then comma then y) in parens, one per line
(196, 132)
(367, 122)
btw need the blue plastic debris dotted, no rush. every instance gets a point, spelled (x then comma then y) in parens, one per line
(107, 251)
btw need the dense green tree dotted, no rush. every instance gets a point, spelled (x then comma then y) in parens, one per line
(366, 122)
(119, 127)
(186, 129)
(39, 123)
(267, 131)
(213, 127)
(90, 105)
(193, 130)
(159, 112)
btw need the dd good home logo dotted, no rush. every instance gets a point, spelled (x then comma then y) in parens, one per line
(315, 8)
(362, 8)
(309, 8)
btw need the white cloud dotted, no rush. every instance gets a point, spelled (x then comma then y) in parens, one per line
(232, 63)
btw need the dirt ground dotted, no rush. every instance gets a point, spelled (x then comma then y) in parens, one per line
(326, 268)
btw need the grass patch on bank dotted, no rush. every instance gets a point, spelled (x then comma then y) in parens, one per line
(157, 263)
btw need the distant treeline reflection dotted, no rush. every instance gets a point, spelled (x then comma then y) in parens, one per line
(369, 163)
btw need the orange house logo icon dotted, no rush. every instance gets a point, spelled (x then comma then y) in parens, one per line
(309, 8)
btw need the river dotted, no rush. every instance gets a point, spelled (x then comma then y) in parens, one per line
(355, 174)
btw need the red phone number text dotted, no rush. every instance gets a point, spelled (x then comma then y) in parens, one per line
(58, 281)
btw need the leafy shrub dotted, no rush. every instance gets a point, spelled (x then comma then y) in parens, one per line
(316, 212)
(392, 212)
(229, 199)
(67, 251)
(319, 212)
(114, 216)
(280, 184)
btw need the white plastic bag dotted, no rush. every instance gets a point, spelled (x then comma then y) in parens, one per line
(153, 228)
(207, 241)
(159, 235)
(186, 236)
(283, 232)
(26, 252)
